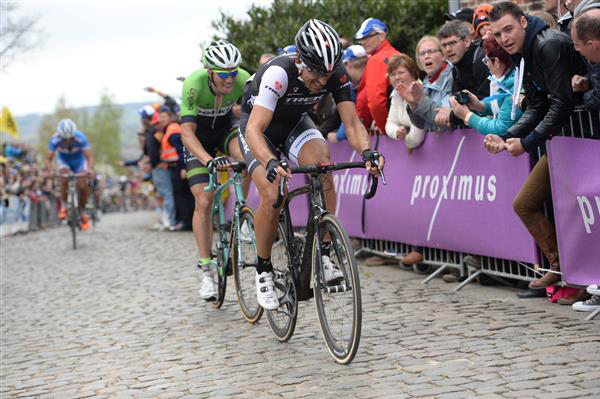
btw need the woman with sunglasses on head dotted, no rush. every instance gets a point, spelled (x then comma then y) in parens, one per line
(208, 126)
(493, 114)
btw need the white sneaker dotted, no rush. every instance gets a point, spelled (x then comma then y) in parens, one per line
(245, 233)
(330, 271)
(587, 306)
(208, 289)
(265, 291)
(593, 289)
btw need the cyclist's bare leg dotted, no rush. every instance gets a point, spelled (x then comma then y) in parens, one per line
(313, 152)
(64, 184)
(201, 220)
(266, 217)
(83, 191)
(99, 190)
(236, 153)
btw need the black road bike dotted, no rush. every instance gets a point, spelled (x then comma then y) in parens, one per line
(298, 268)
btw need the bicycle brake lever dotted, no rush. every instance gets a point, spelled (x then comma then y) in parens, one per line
(280, 193)
(382, 176)
(376, 163)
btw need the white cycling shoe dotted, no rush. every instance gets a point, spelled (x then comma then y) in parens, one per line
(265, 291)
(330, 271)
(208, 289)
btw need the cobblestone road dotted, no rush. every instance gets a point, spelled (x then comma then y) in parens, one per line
(121, 317)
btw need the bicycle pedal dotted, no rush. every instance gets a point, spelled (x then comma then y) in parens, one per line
(335, 281)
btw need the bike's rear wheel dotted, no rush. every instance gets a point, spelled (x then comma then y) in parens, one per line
(244, 260)
(283, 320)
(218, 250)
(339, 305)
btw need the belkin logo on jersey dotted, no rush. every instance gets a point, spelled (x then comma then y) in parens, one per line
(210, 112)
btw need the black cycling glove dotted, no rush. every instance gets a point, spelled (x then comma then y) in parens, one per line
(371, 156)
(272, 168)
(219, 162)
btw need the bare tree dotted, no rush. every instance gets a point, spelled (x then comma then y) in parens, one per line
(18, 34)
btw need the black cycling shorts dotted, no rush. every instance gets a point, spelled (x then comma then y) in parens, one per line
(214, 142)
(278, 141)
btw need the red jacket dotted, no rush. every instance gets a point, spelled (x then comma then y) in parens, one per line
(376, 84)
(362, 108)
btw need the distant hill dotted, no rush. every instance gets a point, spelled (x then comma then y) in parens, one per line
(130, 120)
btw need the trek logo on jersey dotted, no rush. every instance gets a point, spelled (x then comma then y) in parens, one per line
(272, 90)
(303, 100)
(278, 85)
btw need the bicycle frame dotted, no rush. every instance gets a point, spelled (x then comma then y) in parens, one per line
(217, 206)
(72, 197)
(301, 270)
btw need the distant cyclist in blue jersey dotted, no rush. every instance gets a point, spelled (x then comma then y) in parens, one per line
(75, 155)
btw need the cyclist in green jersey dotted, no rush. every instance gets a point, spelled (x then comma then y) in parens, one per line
(208, 126)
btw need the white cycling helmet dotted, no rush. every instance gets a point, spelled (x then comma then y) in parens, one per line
(220, 54)
(66, 128)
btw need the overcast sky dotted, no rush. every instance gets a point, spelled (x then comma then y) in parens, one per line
(122, 46)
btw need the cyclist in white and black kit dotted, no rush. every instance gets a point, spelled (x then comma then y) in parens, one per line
(274, 116)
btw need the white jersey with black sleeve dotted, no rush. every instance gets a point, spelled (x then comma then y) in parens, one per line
(277, 87)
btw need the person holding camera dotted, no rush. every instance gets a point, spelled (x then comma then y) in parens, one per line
(469, 72)
(496, 109)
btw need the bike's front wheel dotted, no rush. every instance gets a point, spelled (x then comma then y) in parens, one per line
(73, 218)
(218, 250)
(283, 319)
(338, 301)
(244, 260)
(73, 225)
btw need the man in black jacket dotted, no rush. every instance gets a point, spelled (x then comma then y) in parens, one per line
(547, 60)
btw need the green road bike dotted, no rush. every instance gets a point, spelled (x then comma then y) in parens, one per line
(234, 250)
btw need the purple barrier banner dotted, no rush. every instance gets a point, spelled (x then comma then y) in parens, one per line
(449, 193)
(574, 165)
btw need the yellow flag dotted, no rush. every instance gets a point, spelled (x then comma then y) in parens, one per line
(8, 124)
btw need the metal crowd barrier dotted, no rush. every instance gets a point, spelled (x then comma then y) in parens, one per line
(583, 124)
(43, 213)
(24, 214)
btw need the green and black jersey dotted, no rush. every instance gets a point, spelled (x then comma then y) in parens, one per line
(198, 102)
